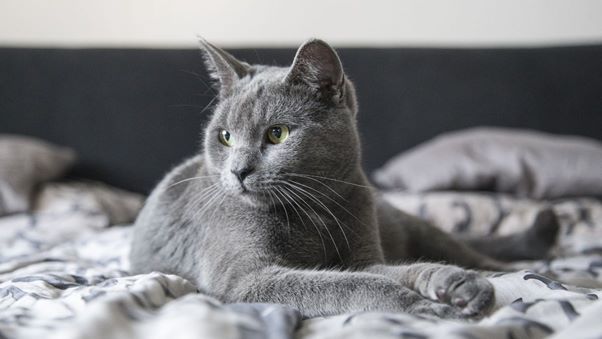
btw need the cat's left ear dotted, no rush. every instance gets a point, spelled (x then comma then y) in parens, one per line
(223, 67)
(318, 66)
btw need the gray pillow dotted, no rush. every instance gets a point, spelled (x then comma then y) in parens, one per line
(522, 162)
(24, 163)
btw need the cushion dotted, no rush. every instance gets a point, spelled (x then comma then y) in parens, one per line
(522, 162)
(24, 163)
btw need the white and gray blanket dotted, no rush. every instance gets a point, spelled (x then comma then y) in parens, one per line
(64, 274)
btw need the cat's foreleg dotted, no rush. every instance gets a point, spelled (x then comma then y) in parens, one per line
(466, 290)
(326, 292)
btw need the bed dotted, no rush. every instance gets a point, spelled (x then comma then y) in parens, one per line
(64, 274)
(63, 257)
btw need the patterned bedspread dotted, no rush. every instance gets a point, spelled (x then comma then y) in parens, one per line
(63, 274)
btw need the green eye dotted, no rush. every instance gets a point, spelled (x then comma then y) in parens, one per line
(225, 138)
(277, 134)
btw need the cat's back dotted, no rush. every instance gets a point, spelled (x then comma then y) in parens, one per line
(150, 238)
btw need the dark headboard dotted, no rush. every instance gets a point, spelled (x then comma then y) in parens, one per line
(132, 114)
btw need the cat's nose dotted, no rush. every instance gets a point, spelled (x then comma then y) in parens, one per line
(242, 173)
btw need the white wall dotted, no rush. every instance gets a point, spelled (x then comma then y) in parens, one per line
(175, 23)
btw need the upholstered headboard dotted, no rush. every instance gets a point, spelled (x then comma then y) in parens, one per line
(132, 114)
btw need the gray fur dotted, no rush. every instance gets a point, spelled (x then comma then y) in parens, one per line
(305, 229)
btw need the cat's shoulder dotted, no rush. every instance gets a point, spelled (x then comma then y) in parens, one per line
(178, 175)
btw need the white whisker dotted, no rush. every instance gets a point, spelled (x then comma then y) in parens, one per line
(324, 207)
(290, 200)
(330, 188)
(320, 219)
(331, 179)
(193, 178)
(214, 196)
(285, 211)
(310, 219)
(329, 198)
(215, 208)
(203, 194)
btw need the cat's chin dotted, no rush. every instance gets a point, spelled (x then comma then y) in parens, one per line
(248, 197)
(255, 199)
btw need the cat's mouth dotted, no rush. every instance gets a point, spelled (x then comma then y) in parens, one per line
(258, 198)
(255, 194)
(247, 190)
(257, 190)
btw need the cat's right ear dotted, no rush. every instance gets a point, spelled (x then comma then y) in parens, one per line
(318, 66)
(223, 67)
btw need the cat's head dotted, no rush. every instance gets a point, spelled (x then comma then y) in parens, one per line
(273, 125)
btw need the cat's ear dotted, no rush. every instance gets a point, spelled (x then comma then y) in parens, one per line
(223, 67)
(318, 66)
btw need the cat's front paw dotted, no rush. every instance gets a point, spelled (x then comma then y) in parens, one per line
(464, 289)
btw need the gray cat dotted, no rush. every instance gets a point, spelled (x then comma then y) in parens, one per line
(277, 208)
